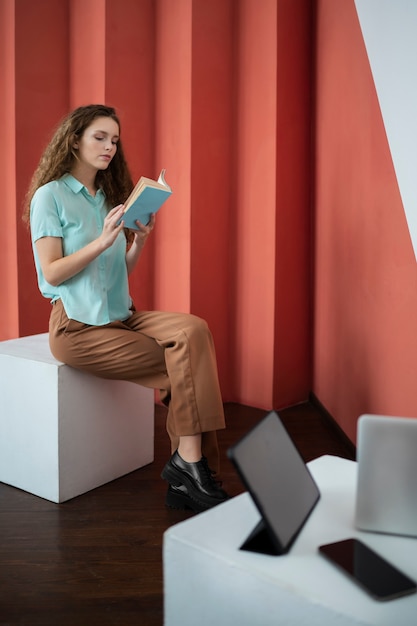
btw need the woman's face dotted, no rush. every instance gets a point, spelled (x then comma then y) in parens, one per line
(98, 144)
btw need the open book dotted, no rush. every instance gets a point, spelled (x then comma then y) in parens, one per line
(146, 198)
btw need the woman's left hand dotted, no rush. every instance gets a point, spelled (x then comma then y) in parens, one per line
(143, 232)
(135, 242)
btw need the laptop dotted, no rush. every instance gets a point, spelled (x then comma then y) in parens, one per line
(386, 497)
(279, 482)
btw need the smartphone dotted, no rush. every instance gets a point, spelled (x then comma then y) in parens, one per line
(382, 580)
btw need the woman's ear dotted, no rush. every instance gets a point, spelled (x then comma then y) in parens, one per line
(73, 142)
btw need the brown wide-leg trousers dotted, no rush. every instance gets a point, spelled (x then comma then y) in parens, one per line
(172, 352)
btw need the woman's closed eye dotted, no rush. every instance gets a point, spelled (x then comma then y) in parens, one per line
(114, 141)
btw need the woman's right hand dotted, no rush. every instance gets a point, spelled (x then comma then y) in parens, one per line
(110, 227)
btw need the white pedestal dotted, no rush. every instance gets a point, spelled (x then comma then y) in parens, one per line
(64, 432)
(208, 580)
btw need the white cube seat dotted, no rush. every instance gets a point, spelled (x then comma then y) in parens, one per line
(64, 432)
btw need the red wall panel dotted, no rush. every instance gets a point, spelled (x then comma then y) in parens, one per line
(254, 218)
(366, 301)
(218, 94)
(212, 173)
(172, 139)
(40, 92)
(9, 311)
(130, 87)
(87, 51)
(294, 183)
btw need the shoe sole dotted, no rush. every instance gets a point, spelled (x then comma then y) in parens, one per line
(182, 502)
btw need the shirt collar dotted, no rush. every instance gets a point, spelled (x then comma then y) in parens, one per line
(75, 184)
(72, 183)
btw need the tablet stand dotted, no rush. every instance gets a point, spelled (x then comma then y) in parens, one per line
(260, 541)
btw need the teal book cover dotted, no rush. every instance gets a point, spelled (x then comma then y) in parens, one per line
(146, 198)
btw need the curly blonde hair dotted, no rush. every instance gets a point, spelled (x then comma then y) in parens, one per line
(59, 156)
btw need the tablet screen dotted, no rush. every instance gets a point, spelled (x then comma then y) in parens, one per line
(277, 478)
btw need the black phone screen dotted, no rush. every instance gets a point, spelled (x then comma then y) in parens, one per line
(379, 578)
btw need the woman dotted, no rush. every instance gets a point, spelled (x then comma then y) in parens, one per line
(82, 261)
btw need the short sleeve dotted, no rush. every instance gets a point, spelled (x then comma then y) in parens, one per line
(44, 215)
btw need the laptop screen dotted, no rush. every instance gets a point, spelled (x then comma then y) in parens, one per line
(386, 496)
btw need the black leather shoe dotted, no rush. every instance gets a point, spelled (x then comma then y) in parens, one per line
(197, 478)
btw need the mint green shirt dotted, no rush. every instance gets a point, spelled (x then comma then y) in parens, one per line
(99, 294)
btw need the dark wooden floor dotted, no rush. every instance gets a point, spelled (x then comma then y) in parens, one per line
(97, 559)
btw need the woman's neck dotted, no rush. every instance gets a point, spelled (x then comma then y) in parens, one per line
(86, 178)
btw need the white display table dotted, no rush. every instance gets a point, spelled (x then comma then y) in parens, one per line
(209, 581)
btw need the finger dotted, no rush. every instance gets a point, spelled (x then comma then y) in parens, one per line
(140, 226)
(117, 209)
